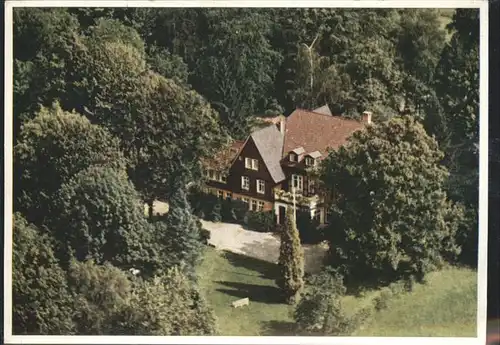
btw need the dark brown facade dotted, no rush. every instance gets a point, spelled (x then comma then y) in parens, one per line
(238, 169)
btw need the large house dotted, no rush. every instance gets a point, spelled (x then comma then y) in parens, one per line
(269, 170)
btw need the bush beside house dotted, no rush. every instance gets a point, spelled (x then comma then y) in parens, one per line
(212, 208)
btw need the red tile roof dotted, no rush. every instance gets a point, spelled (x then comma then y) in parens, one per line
(223, 159)
(317, 132)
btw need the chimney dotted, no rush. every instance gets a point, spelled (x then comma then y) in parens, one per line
(282, 124)
(367, 117)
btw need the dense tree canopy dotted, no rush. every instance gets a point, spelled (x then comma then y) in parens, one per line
(51, 149)
(100, 216)
(390, 214)
(168, 304)
(41, 299)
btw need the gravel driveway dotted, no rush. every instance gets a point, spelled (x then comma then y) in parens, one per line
(263, 246)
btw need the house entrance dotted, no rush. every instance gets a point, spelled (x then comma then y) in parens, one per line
(281, 214)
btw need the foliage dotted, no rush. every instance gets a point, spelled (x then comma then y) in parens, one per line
(168, 305)
(382, 300)
(291, 260)
(179, 234)
(168, 65)
(175, 129)
(320, 309)
(44, 44)
(100, 217)
(235, 73)
(309, 230)
(41, 300)
(100, 292)
(390, 215)
(262, 221)
(51, 149)
(457, 88)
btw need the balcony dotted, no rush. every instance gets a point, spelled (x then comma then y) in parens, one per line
(300, 199)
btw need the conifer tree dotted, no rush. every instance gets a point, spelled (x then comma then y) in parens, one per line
(291, 260)
(180, 234)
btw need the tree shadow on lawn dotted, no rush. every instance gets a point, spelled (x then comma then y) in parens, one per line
(266, 270)
(255, 293)
(278, 328)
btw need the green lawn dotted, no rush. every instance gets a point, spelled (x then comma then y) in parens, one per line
(446, 306)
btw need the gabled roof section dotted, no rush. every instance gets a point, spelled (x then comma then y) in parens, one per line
(298, 150)
(315, 154)
(223, 159)
(325, 110)
(269, 142)
(317, 132)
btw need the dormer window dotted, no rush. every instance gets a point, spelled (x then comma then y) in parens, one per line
(310, 161)
(292, 157)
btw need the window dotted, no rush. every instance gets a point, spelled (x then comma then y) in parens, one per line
(229, 195)
(297, 182)
(245, 183)
(292, 157)
(310, 187)
(261, 186)
(220, 194)
(207, 173)
(310, 161)
(245, 200)
(260, 206)
(251, 163)
(248, 163)
(211, 174)
(253, 206)
(223, 178)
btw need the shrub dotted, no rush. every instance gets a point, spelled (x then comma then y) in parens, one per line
(169, 304)
(205, 236)
(100, 294)
(381, 301)
(216, 212)
(261, 221)
(320, 311)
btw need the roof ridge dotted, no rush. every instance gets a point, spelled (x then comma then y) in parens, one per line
(331, 116)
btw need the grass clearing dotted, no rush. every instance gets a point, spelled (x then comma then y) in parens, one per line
(445, 306)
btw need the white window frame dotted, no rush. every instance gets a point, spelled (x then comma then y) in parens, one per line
(220, 194)
(245, 200)
(259, 184)
(255, 164)
(248, 163)
(299, 186)
(245, 183)
(253, 205)
(292, 157)
(260, 206)
(310, 162)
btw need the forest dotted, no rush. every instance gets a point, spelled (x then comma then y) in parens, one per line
(115, 108)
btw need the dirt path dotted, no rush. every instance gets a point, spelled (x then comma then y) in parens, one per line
(263, 246)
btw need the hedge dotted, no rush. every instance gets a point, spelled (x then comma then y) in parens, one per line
(212, 208)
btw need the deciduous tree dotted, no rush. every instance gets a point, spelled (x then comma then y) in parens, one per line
(52, 148)
(390, 213)
(41, 299)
